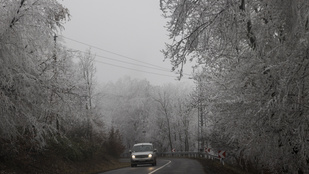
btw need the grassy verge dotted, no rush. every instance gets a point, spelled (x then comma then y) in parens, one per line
(54, 165)
(214, 167)
(61, 157)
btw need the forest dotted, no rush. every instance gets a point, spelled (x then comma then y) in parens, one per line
(52, 107)
(47, 92)
(251, 91)
(252, 58)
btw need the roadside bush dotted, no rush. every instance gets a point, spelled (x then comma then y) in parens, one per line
(66, 148)
(114, 144)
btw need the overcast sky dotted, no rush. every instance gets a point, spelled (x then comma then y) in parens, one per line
(127, 30)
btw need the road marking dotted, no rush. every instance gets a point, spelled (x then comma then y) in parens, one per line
(160, 167)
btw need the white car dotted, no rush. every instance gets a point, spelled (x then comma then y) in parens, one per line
(143, 153)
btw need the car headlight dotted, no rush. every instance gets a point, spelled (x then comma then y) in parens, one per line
(133, 156)
(150, 155)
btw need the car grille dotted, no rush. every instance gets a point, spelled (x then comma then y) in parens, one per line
(141, 156)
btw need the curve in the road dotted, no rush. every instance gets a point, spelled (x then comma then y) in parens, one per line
(160, 167)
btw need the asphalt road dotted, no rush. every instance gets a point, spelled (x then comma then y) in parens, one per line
(168, 166)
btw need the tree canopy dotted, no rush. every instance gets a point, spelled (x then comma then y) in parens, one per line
(253, 55)
(45, 95)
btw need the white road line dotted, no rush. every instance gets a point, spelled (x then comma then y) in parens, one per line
(160, 167)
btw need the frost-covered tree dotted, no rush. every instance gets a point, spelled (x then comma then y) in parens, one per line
(255, 52)
(87, 70)
(145, 113)
(165, 107)
(185, 125)
(27, 29)
(173, 118)
(46, 98)
(127, 107)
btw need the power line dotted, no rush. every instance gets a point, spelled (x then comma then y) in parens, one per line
(152, 66)
(134, 69)
(144, 66)
(113, 53)
(127, 67)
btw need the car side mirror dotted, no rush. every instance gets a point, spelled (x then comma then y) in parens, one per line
(155, 150)
(130, 151)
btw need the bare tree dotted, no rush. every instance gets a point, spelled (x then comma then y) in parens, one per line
(165, 106)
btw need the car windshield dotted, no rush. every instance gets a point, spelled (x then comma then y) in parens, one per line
(142, 148)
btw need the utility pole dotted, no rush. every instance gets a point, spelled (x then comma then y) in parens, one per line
(55, 77)
(201, 123)
(200, 109)
(198, 125)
